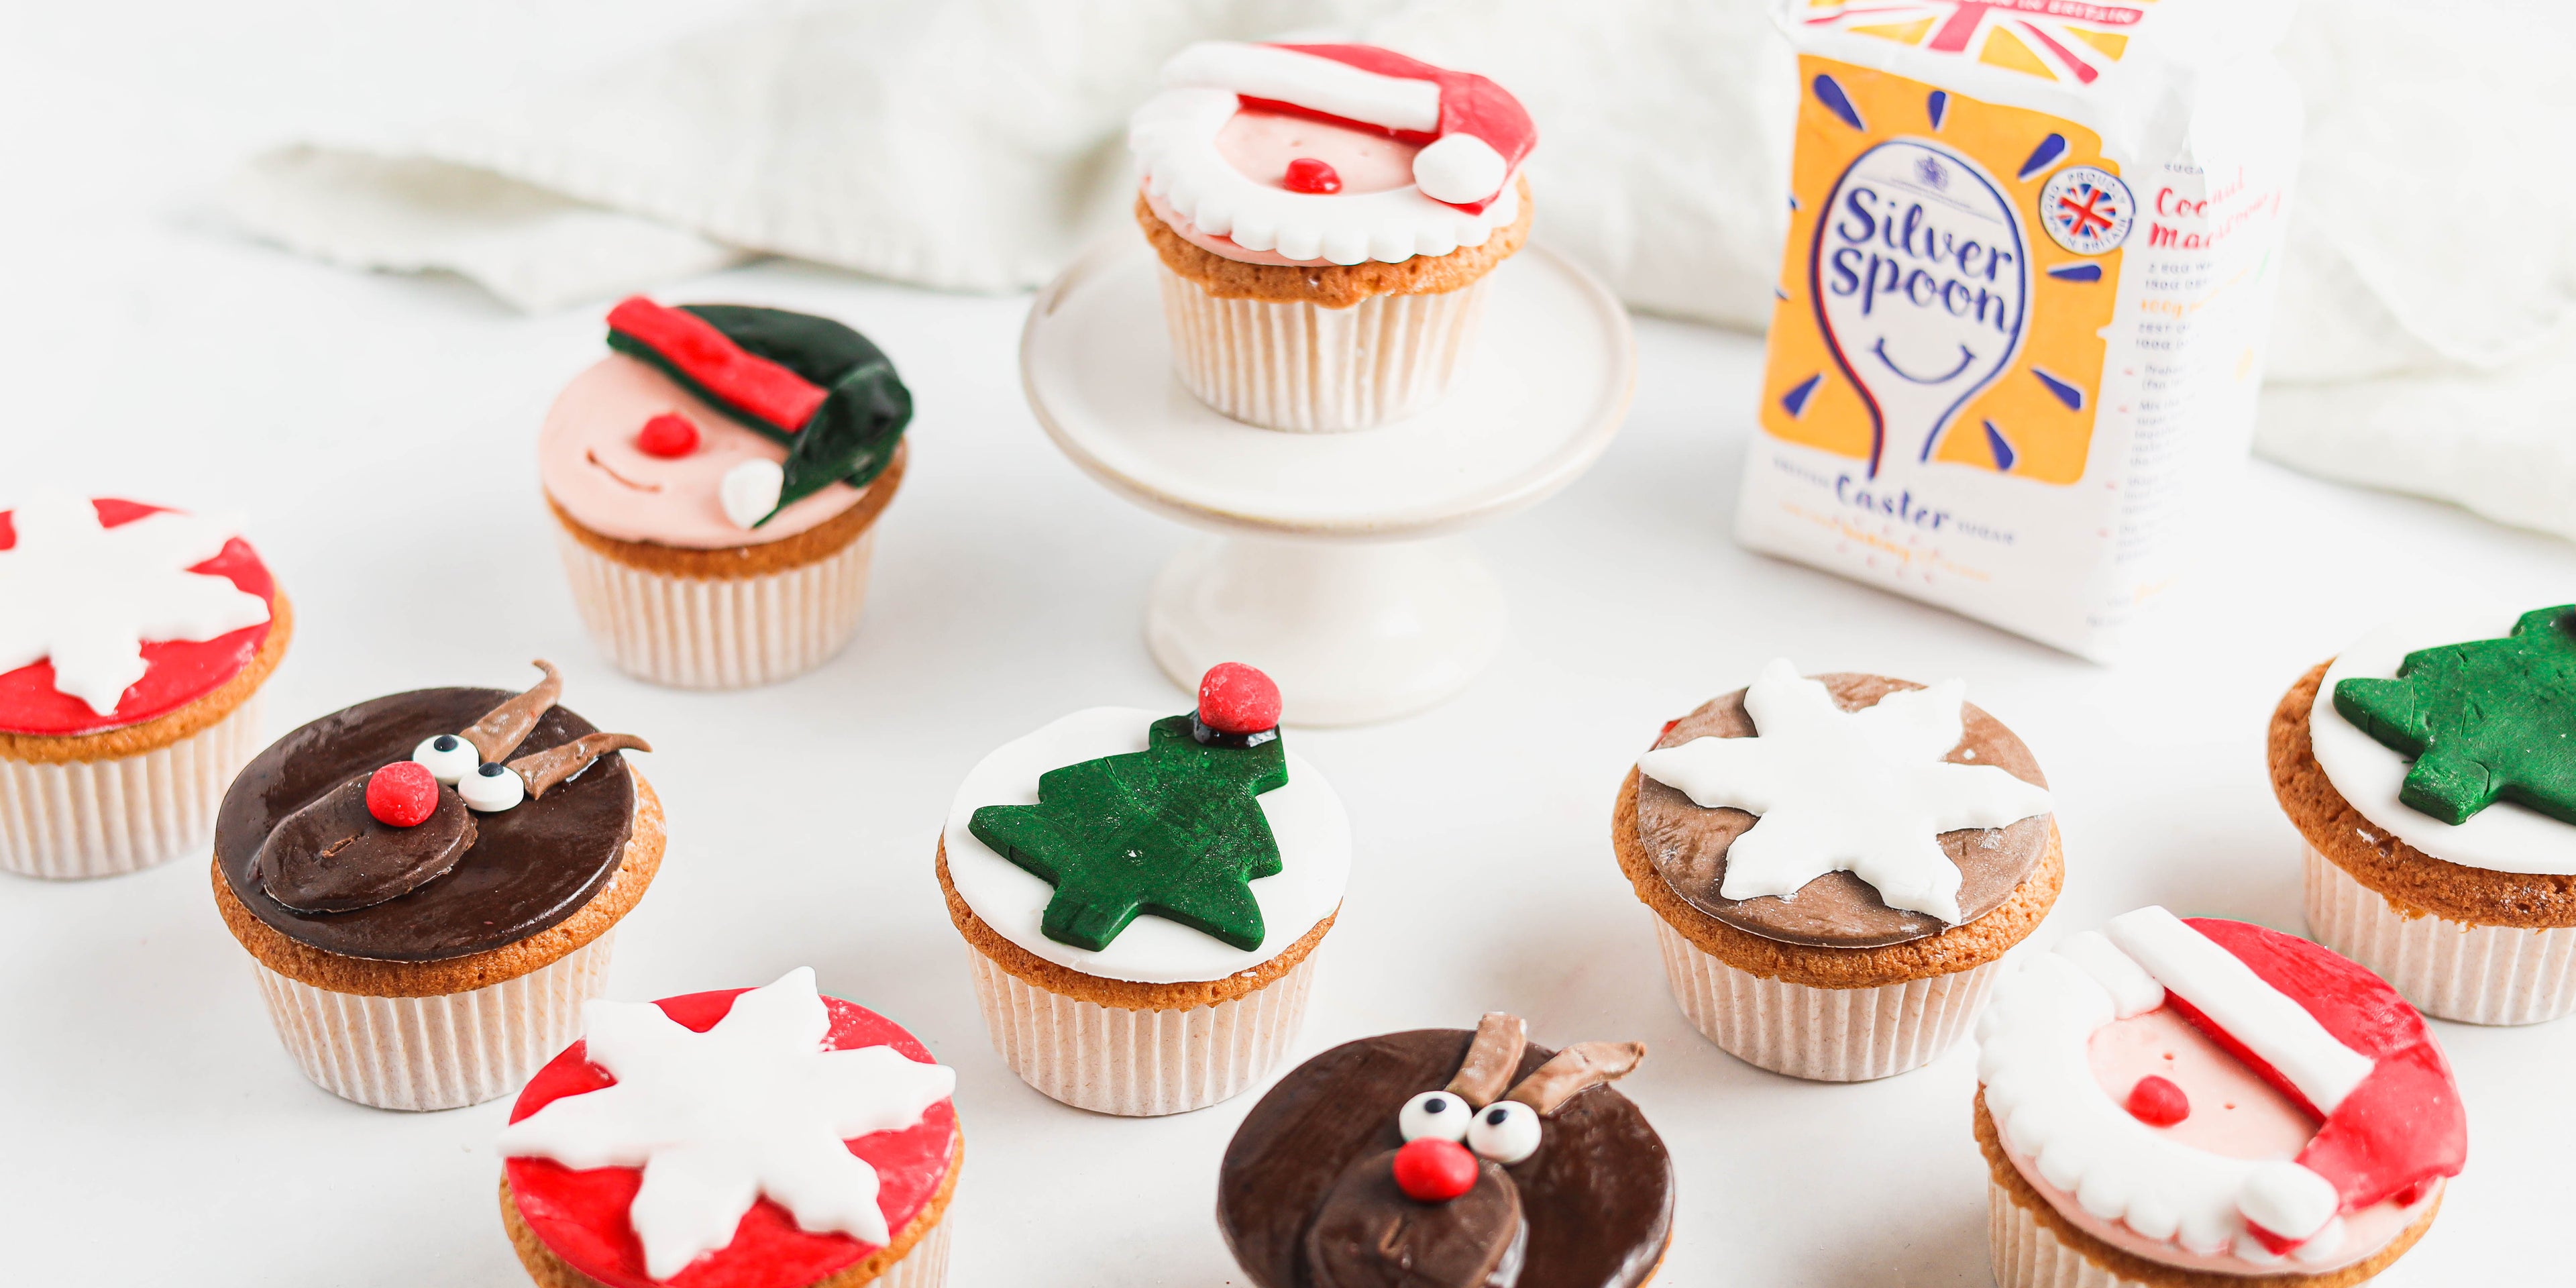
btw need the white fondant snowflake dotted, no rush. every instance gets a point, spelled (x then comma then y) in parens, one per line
(89, 596)
(753, 1106)
(1864, 792)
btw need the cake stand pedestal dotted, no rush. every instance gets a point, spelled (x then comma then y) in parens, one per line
(1332, 562)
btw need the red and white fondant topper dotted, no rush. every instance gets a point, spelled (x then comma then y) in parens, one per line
(2333, 1039)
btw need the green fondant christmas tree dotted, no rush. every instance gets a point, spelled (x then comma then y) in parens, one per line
(2485, 719)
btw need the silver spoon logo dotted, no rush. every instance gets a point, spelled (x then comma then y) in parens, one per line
(1921, 279)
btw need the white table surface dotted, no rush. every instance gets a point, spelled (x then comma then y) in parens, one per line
(376, 432)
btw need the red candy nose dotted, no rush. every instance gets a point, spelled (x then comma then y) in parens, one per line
(1306, 174)
(669, 434)
(402, 794)
(1234, 698)
(1431, 1170)
(2158, 1102)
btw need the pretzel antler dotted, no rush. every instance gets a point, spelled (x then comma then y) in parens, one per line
(1491, 1060)
(1575, 1069)
(546, 768)
(506, 725)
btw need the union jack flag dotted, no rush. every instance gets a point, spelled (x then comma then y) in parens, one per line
(2056, 39)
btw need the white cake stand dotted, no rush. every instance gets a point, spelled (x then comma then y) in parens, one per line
(1330, 565)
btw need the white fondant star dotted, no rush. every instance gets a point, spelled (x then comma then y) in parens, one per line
(1864, 792)
(753, 1106)
(89, 596)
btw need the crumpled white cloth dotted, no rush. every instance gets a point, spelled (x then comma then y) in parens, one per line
(2430, 284)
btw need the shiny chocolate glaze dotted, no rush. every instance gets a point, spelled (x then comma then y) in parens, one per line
(528, 868)
(334, 855)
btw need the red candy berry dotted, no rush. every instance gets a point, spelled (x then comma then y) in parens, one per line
(669, 434)
(1306, 174)
(1234, 698)
(2157, 1102)
(1431, 1170)
(402, 794)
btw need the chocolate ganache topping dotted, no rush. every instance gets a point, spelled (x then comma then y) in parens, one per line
(505, 851)
(1441, 1158)
(1688, 844)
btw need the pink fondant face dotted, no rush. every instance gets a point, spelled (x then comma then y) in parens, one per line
(1259, 145)
(588, 458)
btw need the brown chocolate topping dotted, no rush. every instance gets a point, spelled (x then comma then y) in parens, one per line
(1370, 1234)
(552, 766)
(1597, 1197)
(1489, 1064)
(333, 856)
(502, 728)
(527, 869)
(1836, 910)
(1576, 1068)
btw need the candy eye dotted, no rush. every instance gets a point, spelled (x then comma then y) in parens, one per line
(447, 757)
(1505, 1131)
(1434, 1113)
(491, 788)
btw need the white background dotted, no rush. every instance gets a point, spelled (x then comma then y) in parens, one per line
(376, 434)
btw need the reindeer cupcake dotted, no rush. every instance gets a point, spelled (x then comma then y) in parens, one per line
(1440, 1158)
(428, 885)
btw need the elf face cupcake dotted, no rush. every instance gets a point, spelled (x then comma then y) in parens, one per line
(1144, 897)
(2432, 770)
(133, 643)
(1442, 1158)
(1837, 865)
(1325, 216)
(2186, 1103)
(429, 884)
(718, 480)
(749, 1138)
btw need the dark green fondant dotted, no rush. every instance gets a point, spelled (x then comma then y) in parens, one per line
(2485, 720)
(1173, 830)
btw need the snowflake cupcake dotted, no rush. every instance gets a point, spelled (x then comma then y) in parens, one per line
(428, 886)
(2432, 770)
(749, 1138)
(717, 482)
(1325, 217)
(1837, 866)
(2172, 1103)
(1144, 897)
(133, 643)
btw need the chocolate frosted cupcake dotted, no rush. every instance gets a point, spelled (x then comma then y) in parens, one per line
(717, 480)
(1837, 866)
(1441, 1158)
(2432, 771)
(428, 885)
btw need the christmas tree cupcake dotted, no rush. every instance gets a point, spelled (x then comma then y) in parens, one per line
(428, 886)
(2432, 770)
(748, 1138)
(1325, 217)
(1144, 897)
(133, 643)
(2173, 1103)
(717, 481)
(1837, 865)
(1442, 1158)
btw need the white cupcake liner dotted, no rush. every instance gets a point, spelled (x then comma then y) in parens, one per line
(719, 633)
(435, 1052)
(2027, 1254)
(103, 818)
(1308, 369)
(1139, 1064)
(1822, 1034)
(926, 1266)
(2458, 971)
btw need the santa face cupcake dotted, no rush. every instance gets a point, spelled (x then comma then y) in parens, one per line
(750, 1138)
(1837, 866)
(2176, 1103)
(1442, 1158)
(133, 643)
(1325, 216)
(717, 482)
(2432, 770)
(1144, 897)
(429, 884)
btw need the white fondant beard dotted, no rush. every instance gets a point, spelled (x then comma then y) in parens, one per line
(2503, 837)
(89, 597)
(1306, 820)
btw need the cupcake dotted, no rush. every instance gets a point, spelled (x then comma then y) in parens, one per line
(2432, 771)
(2172, 1103)
(716, 481)
(1837, 865)
(133, 643)
(428, 886)
(1144, 897)
(1442, 1158)
(1325, 217)
(748, 1138)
